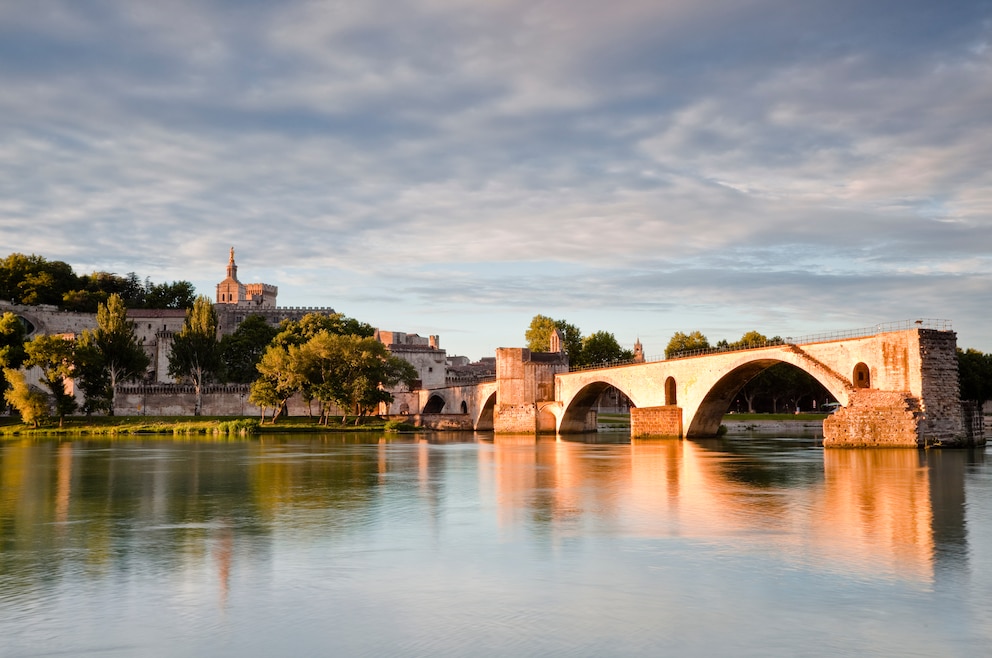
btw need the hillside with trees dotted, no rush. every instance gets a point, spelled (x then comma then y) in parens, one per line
(33, 280)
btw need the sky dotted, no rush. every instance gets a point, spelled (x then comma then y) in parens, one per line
(455, 167)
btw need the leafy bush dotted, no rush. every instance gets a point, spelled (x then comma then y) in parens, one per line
(399, 426)
(240, 427)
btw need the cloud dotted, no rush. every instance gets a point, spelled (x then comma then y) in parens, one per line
(760, 160)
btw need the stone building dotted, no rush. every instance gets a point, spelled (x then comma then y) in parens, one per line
(424, 354)
(154, 328)
(232, 291)
(236, 301)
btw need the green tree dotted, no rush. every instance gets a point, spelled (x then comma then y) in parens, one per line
(178, 294)
(263, 394)
(751, 339)
(297, 332)
(975, 375)
(281, 376)
(55, 356)
(682, 343)
(34, 280)
(538, 335)
(195, 350)
(12, 353)
(285, 370)
(352, 372)
(242, 350)
(601, 347)
(30, 403)
(110, 354)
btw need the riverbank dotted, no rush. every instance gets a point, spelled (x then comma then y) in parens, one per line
(738, 423)
(223, 426)
(220, 426)
(774, 423)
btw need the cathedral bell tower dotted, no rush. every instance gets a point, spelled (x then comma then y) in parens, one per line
(230, 290)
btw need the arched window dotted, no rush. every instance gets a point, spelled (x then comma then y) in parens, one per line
(464, 407)
(862, 376)
(670, 398)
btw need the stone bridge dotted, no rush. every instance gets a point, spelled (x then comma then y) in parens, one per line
(898, 386)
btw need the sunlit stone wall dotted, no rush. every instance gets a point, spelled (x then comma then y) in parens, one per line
(656, 421)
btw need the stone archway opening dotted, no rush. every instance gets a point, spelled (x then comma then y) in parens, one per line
(862, 376)
(761, 386)
(464, 407)
(582, 412)
(486, 420)
(434, 405)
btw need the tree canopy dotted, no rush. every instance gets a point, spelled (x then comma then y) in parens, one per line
(682, 343)
(601, 347)
(33, 280)
(30, 403)
(975, 374)
(242, 350)
(12, 353)
(331, 359)
(55, 356)
(109, 355)
(195, 352)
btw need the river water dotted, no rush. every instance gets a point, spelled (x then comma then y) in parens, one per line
(466, 544)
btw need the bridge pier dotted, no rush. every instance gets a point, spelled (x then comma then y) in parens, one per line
(926, 412)
(665, 421)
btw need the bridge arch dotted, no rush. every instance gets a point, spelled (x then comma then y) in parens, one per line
(574, 415)
(702, 387)
(487, 414)
(715, 398)
(435, 404)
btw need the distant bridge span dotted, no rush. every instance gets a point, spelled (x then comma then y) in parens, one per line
(898, 386)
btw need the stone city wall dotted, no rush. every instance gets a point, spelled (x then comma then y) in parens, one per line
(47, 319)
(218, 400)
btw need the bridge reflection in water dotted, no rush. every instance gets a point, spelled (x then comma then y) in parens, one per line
(894, 511)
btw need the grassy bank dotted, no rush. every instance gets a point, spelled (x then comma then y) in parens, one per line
(224, 426)
(186, 425)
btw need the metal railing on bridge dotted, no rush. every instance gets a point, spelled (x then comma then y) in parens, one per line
(823, 337)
